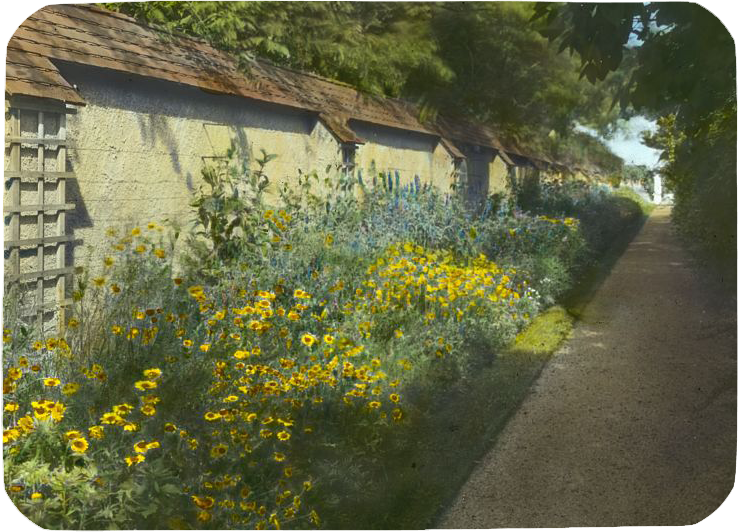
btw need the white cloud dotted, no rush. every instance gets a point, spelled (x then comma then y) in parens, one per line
(626, 141)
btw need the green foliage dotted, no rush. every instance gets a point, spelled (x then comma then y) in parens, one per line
(700, 171)
(510, 77)
(580, 148)
(684, 72)
(81, 496)
(441, 56)
(229, 221)
(270, 385)
(507, 76)
(546, 333)
(632, 199)
(372, 46)
(683, 54)
(639, 175)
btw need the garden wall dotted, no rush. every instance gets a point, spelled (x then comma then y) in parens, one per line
(137, 148)
(409, 153)
(140, 145)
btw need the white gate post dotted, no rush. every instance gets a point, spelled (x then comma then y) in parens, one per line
(657, 192)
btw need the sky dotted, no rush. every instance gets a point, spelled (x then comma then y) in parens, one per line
(626, 141)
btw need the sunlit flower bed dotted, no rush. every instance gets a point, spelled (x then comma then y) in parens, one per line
(273, 357)
(178, 400)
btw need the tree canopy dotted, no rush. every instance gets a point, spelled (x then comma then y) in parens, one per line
(684, 73)
(486, 60)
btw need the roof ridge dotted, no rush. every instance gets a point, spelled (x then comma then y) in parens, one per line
(257, 59)
(128, 18)
(333, 82)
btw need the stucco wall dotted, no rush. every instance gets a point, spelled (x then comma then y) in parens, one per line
(486, 172)
(406, 152)
(140, 145)
(498, 181)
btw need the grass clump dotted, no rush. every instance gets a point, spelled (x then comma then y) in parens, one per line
(546, 333)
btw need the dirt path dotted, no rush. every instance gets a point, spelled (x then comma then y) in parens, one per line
(634, 421)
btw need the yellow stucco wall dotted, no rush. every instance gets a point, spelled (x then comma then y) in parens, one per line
(410, 154)
(498, 182)
(140, 146)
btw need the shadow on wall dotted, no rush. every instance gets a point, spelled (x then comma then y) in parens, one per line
(79, 217)
(477, 173)
(155, 128)
(181, 121)
(161, 108)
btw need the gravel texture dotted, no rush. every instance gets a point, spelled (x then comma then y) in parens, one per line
(633, 422)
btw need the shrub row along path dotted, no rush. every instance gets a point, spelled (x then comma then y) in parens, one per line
(633, 421)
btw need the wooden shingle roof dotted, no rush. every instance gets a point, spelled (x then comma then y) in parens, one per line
(92, 36)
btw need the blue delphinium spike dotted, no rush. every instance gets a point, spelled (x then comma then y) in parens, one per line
(361, 181)
(397, 179)
(389, 181)
(417, 181)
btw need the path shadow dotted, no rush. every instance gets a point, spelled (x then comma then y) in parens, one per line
(578, 297)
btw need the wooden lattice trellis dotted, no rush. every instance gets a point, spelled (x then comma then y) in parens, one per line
(15, 176)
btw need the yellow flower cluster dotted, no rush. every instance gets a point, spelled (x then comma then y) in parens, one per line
(257, 397)
(40, 411)
(569, 222)
(409, 276)
(274, 355)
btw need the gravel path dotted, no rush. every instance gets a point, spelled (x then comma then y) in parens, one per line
(633, 422)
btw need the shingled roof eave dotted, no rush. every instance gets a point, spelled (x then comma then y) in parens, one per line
(399, 113)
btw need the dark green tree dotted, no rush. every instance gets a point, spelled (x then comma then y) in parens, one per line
(370, 45)
(684, 72)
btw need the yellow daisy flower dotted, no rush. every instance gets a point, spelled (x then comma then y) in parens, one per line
(136, 459)
(79, 445)
(152, 373)
(72, 434)
(218, 450)
(70, 388)
(308, 339)
(145, 385)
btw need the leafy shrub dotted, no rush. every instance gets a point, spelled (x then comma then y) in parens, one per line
(216, 391)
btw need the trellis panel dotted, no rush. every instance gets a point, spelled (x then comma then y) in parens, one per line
(40, 210)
